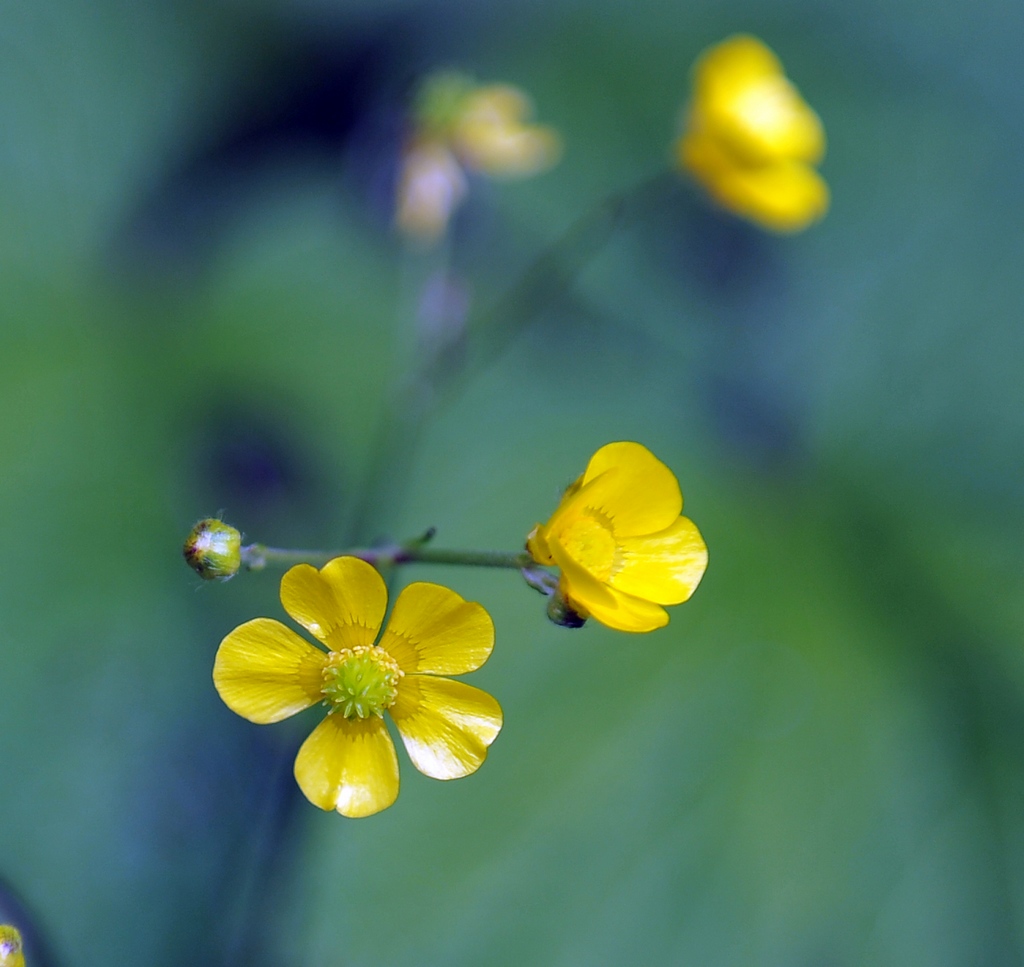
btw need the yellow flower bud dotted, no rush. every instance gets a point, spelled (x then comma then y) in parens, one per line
(751, 140)
(213, 550)
(11, 954)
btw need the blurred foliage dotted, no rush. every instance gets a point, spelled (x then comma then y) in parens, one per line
(203, 307)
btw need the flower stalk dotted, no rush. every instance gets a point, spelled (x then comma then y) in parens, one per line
(256, 557)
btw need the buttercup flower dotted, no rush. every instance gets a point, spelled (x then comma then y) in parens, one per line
(751, 140)
(266, 672)
(620, 542)
(459, 127)
(11, 954)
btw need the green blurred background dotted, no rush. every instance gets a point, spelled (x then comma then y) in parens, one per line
(819, 763)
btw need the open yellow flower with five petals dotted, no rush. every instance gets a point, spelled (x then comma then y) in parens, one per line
(265, 672)
(622, 546)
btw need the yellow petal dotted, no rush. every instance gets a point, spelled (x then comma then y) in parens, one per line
(628, 613)
(507, 151)
(610, 607)
(498, 103)
(490, 136)
(629, 486)
(265, 672)
(738, 60)
(537, 545)
(342, 604)
(446, 725)
(783, 197)
(433, 630)
(771, 122)
(665, 567)
(349, 765)
(704, 157)
(743, 100)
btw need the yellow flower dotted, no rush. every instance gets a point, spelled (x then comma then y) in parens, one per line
(11, 954)
(459, 127)
(620, 542)
(490, 136)
(751, 140)
(266, 672)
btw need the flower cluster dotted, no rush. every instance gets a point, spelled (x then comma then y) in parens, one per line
(622, 549)
(265, 672)
(619, 539)
(459, 127)
(617, 548)
(751, 140)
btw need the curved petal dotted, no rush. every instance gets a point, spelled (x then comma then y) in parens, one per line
(435, 631)
(742, 96)
(613, 608)
(537, 545)
(446, 725)
(665, 567)
(265, 672)
(348, 765)
(342, 604)
(738, 60)
(630, 487)
(784, 197)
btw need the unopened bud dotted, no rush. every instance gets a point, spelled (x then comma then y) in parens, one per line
(564, 614)
(214, 550)
(10, 947)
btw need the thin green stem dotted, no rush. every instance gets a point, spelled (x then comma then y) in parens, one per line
(255, 557)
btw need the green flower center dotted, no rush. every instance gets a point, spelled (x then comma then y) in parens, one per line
(360, 682)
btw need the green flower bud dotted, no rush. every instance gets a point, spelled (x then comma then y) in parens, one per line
(10, 947)
(564, 614)
(213, 550)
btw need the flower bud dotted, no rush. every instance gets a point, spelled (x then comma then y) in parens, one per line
(563, 614)
(213, 550)
(10, 947)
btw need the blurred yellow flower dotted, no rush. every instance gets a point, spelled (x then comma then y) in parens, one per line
(11, 954)
(490, 134)
(620, 542)
(266, 672)
(751, 140)
(459, 127)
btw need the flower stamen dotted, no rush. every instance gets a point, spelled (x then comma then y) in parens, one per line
(360, 682)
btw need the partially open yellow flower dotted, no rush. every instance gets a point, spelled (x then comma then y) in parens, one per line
(620, 542)
(490, 135)
(460, 126)
(266, 672)
(751, 140)
(11, 954)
